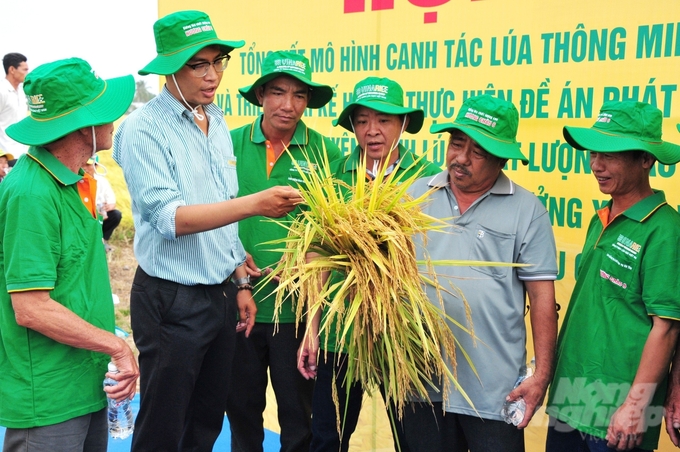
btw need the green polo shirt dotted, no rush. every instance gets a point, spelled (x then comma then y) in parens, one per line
(628, 272)
(49, 241)
(345, 170)
(257, 172)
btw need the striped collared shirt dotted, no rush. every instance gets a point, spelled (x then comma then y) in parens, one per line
(169, 162)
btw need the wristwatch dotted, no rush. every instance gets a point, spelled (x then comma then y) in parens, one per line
(242, 281)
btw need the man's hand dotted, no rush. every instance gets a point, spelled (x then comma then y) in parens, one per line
(127, 375)
(671, 413)
(251, 268)
(277, 201)
(626, 427)
(532, 390)
(307, 355)
(247, 310)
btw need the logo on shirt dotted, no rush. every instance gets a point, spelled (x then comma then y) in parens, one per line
(627, 246)
(480, 233)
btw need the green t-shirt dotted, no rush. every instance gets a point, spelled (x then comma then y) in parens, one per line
(628, 272)
(252, 167)
(345, 170)
(49, 241)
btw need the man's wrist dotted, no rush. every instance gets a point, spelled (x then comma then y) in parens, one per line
(242, 281)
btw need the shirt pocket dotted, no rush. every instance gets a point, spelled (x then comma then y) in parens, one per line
(490, 245)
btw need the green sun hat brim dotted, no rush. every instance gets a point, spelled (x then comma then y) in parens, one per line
(320, 94)
(416, 116)
(110, 105)
(168, 64)
(587, 139)
(503, 149)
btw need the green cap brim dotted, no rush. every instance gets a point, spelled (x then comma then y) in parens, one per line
(172, 63)
(499, 148)
(417, 117)
(321, 94)
(109, 106)
(587, 139)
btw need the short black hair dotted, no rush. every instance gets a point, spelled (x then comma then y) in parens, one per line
(12, 60)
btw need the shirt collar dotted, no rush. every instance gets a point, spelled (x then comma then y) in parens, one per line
(644, 208)
(300, 137)
(52, 165)
(168, 101)
(502, 186)
(406, 159)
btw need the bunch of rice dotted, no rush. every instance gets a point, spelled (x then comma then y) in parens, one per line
(393, 335)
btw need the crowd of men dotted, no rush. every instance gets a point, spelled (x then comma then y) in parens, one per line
(203, 318)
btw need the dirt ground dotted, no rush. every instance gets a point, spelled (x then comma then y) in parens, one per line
(122, 266)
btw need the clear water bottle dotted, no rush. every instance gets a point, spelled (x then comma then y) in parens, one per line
(513, 412)
(121, 423)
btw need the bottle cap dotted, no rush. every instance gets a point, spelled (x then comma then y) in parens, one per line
(112, 368)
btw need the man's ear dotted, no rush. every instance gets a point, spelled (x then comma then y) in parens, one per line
(648, 160)
(259, 93)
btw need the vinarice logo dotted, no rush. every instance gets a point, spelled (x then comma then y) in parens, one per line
(359, 6)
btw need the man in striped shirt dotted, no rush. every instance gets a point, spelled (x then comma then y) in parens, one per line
(179, 165)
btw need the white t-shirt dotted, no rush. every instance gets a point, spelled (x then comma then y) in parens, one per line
(12, 109)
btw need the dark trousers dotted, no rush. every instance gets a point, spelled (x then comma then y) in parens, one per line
(325, 437)
(185, 336)
(564, 438)
(111, 223)
(264, 349)
(428, 429)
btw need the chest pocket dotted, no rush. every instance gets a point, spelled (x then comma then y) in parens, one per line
(617, 269)
(492, 246)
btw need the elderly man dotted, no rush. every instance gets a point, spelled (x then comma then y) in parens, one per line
(492, 219)
(620, 331)
(178, 161)
(12, 100)
(56, 315)
(378, 118)
(269, 152)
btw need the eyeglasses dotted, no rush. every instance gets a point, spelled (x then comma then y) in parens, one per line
(201, 69)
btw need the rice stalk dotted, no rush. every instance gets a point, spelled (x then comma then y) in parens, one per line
(394, 336)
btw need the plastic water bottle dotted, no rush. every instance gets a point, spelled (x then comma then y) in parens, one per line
(513, 412)
(121, 423)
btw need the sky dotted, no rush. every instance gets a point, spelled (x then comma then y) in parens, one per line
(116, 38)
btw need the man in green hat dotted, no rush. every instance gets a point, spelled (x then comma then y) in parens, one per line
(620, 331)
(378, 118)
(191, 285)
(272, 151)
(56, 316)
(492, 219)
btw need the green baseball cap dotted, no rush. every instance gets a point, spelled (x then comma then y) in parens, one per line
(383, 95)
(491, 122)
(625, 126)
(66, 95)
(296, 66)
(180, 36)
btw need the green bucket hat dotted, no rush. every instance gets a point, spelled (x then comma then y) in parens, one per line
(491, 122)
(625, 126)
(383, 95)
(180, 36)
(66, 95)
(294, 65)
